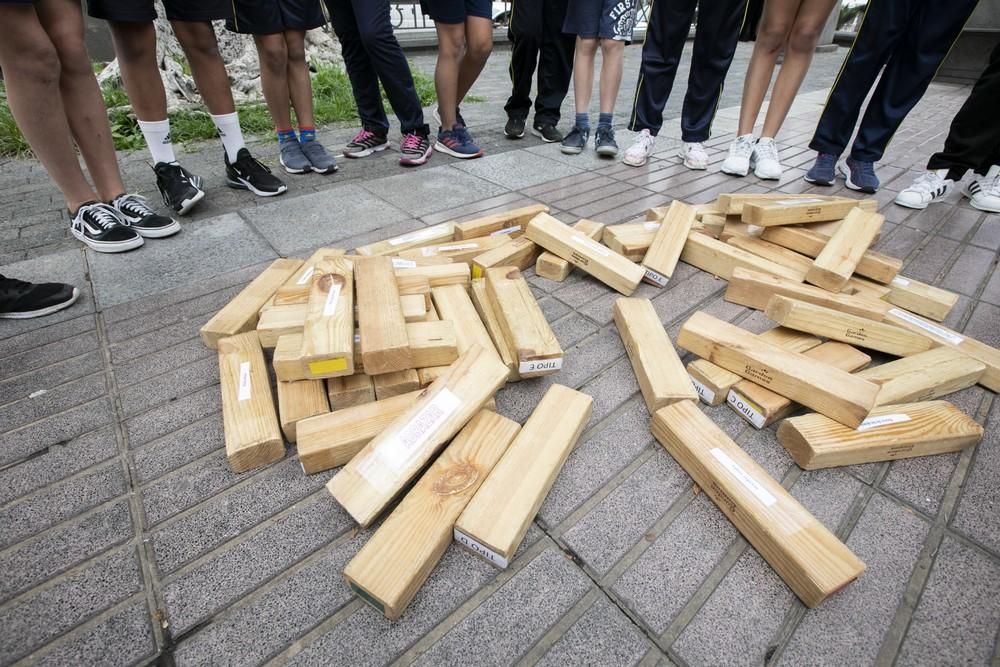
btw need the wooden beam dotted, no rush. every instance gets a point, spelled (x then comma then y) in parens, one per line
(804, 553)
(299, 400)
(631, 239)
(920, 298)
(732, 204)
(762, 407)
(891, 432)
(925, 376)
(333, 439)
(496, 519)
(432, 343)
(414, 308)
(346, 392)
(328, 331)
(396, 383)
(415, 285)
(252, 434)
(668, 243)
(366, 485)
(396, 561)
(456, 273)
(719, 259)
(432, 235)
(490, 319)
(554, 267)
(454, 305)
(457, 251)
(816, 385)
(874, 265)
(836, 263)
(520, 252)
(509, 223)
(384, 345)
(796, 211)
(243, 310)
(845, 328)
(754, 289)
(711, 224)
(523, 323)
(599, 261)
(296, 288)
(790, 259)
(287, 363)
(278, 321)
(657, 367)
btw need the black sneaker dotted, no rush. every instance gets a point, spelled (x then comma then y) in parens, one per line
(514, 128)
(547, 132)
(365, 143)
(604, 142)
(416, 148)
(144, 220)
(180, 189)
(20, 300)
(575, 141)
(249, 173)
(102, 228)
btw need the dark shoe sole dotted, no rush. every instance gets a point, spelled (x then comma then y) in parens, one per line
(541, 136)
(28, 314)
(607, 151)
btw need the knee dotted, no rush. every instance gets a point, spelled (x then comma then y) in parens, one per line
(611, 48)
(770, 39)
(37, 62)
(452, 47)
(480, 50)
(198, 41)
(134, 42)
(71, 51)
(273, 56)
(804, 38)
(586, 47)
(296, 52)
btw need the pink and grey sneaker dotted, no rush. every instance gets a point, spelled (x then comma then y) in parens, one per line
(457, 142)
(415, 149)
(366, 143)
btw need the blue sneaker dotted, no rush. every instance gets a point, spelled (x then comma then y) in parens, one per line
(860, 175)
(824, 170)
(457, 142)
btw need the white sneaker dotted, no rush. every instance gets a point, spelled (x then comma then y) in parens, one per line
(984, 191)
(738, 162)
(640, 150)
(927, 188)
(694, 155)
(766, 161)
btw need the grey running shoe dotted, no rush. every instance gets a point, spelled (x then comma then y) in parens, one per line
(575, 141)
(321, 161)
(604, 142)
(293, 159)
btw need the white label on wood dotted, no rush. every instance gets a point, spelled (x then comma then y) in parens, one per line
(306, 275)
(883, 420)
(427, 252)
(506, 230)
(744, 478)
(747, 408)
(590, 243)
(415, 236)
(480, 549)
(657, 278)
(900, 281)
(244, 390)
(651, 225)
(398, 451)
(704, 393)
(952, 338)
(796, 202)
(537, 365)
(332, 297)
(399, 263)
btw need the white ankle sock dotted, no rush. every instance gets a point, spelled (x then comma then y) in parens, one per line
(228, 126)
(157, 135)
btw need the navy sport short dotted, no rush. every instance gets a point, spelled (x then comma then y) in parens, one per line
(143, 10)
(604, 19)
(456, 11)
(267, 17)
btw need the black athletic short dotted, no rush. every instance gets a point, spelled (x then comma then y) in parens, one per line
(130, 11)
(17, 2)
(266, 17)
(456, 11)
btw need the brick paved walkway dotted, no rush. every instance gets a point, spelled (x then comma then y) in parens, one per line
(124, 537)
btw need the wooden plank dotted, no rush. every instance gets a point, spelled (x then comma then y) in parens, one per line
(346, 392)
(657, 367)
(434, 234)
(845, 328)
(874, 265)
(711, 224)
(412, 285)
(432, 343)
(732, 204)
(457, 251)
(384, 345)
(836, 263)
(396, 561)
(495, 521)
(333, 439)
(924, 376)
(631, 239)
(252, 434)
(296, 288)
(299, 400)
(392, 384)
(754, 289)
(804, 553)
(508, 223)
(242, 312)
(522, 323)
(866, 288)
(713, 383)
(816, 385)
(490, 319)
(454, 305)
(328, 331)
(278, 321)
(414, 308)
(288, 366)
(668, 243)
(762, 407)
(719, 259)
(799, 264)
(891, 432)
(366, 485)
(456, 273)
(554, 267)
(920, 298)
(795, 211)
(520, 252)
(599, 261)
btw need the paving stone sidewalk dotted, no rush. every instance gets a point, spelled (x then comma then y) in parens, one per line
(125, 539)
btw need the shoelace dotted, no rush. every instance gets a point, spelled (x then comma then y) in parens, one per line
(362, 136)
(105, 216)
(928, 182)
(866, 168)
(135, 204)
(646, 140)
(249, 163)
(696, 148)
(742, 147)
(463, 134)
(826, 160)
(411, 141)
(992, 187)
(766, 150)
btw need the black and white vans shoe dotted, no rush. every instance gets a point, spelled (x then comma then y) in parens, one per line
(180, 189)
(102, 228)
(248, 173)
(144, 220)
(20, 300)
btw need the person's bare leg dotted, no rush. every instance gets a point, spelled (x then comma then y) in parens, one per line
(274, 77)
(135, 46)
(31, 71)
(583, 73)
(197, 39)
(63, 21)
(775, 24)
(799, 51)
(478, 46)
(612, 64)
(451, 48)
(299, 82)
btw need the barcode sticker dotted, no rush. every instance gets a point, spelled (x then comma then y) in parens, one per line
(883, 420)
(422, 235)
(539, 365)
(590, 243)
(704, 393)
(900, 281)
(506, 230)
(746, 408)
(243, 393)
(398, 263)
(796, 202)
(332, 297)
(929, 327)
(400, 449)
(306, 275)
(744, 478)
(480, 549)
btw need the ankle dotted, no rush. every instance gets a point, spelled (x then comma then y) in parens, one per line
(307, 133)
(583, 121)
(285, 134)
(604, 121)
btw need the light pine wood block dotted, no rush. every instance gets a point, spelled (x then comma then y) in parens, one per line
(925, 376)
(554, 267)
(280, 320)
(415, 285)
(454, 273)
(366, 485)
(791, 260)
(242, 312)
(384, 345)
(796, 211)
(920, 298)
(396, 383)
(287, 363)
(496, 519)
(836, 263)
(328, 331)
(631, 239)
(490, 319)
(668, 243)
(296, 288)
(873, 265)
(522, 323)
(457, 251)
(351, 390)
(299, 400)
(398, 558)
(719, 259)
(414, 308)
(454, 305)
(754, 289)
(891, 432)
(252, 434)
(732, 204)
(432, 343)
(520, 253)
(805, 554)
(508, 223)
(435, 234)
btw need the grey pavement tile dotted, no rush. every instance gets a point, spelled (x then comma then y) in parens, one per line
(570, 198)
(589, 357)
(174, 415)
(761, 445)
(51, 378)
(67, 266)
(551, 308)
(31, 563)
(620, 520)
(901, 242)
(888, 539)
(184, 488)
(971, 268)
(931, 261)
(602, 636)
(61, 397)
(513, 171)
(979, 504)
(929, 218)
(178, 448)
(144, 335)
(218, 582)
(517, 400)
(571, 329)
(610, 389)
(50, 505)
(988, 234)
(58, 331)
(161, 362)
(225, 517)
(622, 208)
(43, 615)
(437, 189)
(37, 358)
(921, 481)
(955, 617)
(827, 494)
(960, 223)
(36, 437)
(681, 297)
(177, 382)
(991, 292)
(506, 625)
(124, 637)
(588, 159)
(984, 324)
(480, 208)
(567, 186)
(958, 313)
